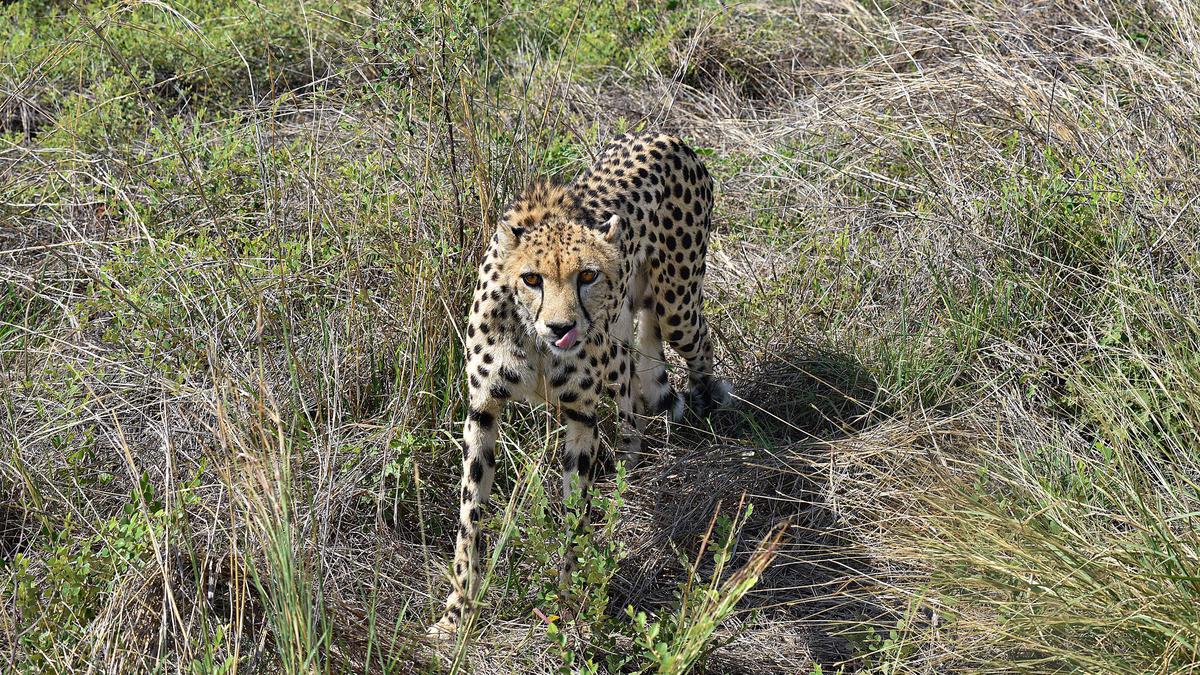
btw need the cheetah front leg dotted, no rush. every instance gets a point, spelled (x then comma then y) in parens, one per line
(578, 471)
(576, 386)
(657, 393)
(624, 383)
(478, 471)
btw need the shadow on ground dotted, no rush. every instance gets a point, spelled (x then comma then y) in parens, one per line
(773, 448)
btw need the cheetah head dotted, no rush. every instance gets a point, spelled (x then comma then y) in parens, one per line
(563, 269)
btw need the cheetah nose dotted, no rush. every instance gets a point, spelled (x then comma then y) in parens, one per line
(565, 332)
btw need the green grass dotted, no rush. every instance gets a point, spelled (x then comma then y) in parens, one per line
(953, 280)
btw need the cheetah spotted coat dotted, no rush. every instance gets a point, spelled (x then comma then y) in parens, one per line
(565, 276)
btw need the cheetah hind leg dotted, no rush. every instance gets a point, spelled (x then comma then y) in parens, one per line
(708, 394)
(657, 393)
(706, 391)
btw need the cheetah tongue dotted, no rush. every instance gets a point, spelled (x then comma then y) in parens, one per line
(567, 340)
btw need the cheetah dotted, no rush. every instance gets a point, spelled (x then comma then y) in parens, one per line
(553, 320)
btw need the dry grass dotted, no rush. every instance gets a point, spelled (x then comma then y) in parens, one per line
(954, 283)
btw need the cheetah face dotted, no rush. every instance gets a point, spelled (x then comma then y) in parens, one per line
(564, 278)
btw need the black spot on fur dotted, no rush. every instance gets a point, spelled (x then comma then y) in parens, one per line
(580, 417)
(483, 418)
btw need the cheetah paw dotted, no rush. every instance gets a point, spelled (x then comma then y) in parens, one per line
(705, 398)
(677, 408)
(722, 393)
(442, 631)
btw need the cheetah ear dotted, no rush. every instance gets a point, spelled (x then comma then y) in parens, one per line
(510, 233)
(611, 227)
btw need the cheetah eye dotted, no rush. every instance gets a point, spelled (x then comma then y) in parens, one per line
(588, 276)
(532, 280)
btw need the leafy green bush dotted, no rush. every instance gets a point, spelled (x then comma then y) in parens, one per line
(57, 598)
